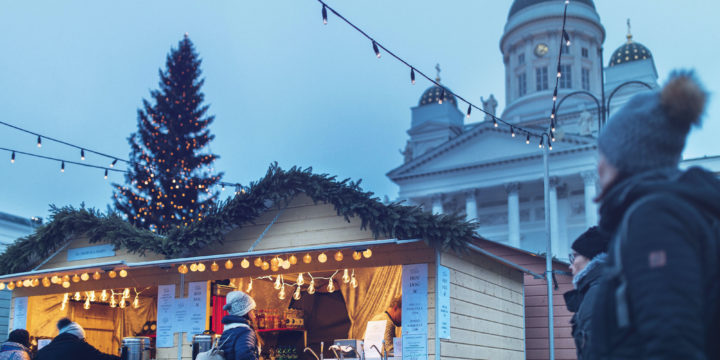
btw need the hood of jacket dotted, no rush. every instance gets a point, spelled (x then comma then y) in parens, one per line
(696, 185)
(13, 346)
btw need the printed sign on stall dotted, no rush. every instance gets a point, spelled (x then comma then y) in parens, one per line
(90, 252)
(20, 313)
(444, 302)
(414, 311)
(197, 305)
(165, 313)
(374, 335)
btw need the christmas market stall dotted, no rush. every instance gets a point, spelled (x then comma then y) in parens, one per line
(320, 257)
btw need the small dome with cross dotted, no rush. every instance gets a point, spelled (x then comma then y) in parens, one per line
(437, 94)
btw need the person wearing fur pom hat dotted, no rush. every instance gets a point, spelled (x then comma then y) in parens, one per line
(70, 344)
(658, 298)
(239, 340)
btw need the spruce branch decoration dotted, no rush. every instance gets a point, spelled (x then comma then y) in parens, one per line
(274, 191)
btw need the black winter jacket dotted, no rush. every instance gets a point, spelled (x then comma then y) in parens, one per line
(68, 346)
(580, 301)
(238, 343)
(658, 298)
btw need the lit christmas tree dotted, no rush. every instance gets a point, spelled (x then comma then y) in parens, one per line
(170, 180)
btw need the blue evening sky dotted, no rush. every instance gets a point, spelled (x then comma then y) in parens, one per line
(282, 86)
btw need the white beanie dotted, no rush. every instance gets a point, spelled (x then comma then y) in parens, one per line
(239, 303)
(75, 329)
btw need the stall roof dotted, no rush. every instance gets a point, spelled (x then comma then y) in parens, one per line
(274, 191)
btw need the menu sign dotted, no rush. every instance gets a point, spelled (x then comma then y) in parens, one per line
(20, 313)
(444, 302)
(197, 304)
(415, 311)
(165, 312)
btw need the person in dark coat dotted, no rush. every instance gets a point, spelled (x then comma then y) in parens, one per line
(239, 340)
(658, 298)
(70, 344)
(586, 264)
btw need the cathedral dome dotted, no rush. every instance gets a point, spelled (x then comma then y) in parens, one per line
(522, 4)
(628, 52)
(432, 96)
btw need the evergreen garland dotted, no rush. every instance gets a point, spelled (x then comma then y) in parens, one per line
(274, 191)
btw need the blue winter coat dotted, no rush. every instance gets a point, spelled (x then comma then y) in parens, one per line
(239, 342)
(14, 351)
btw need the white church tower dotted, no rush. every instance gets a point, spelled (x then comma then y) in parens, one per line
(490, 174)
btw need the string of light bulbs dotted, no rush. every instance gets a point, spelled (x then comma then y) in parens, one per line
(564, 40)
(239, 188)
(377, 46)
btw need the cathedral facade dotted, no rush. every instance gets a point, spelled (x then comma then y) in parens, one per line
(490, 173)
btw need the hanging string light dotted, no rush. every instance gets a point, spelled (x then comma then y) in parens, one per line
(357, 255)
(249, 287)
(103, 296)
(64, 302)
(375, 49)
(353, 281)
(367, 253)
(39, 141)
(278, 282)
(229, 265)
(324, 14)
(322, 257)
(246, 264)
(113, 303)
(331, 285)
(339, 256)
(346, 276)
(307, 258)
(311, 287)
(300, 280)
(12, 157)
(82, 154)
(566, 37)
(412, 76)
(214, 267)
(293, 260)
(201, 267)
(296, 295)
(265, 265)
(77, 297)
(258, 262)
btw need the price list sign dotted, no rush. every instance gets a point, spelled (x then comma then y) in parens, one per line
(415, 312)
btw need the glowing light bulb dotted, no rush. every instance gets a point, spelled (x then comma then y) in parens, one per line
(311, 288)
(85, 277)
(357, 255)
(55, 279)
(113, 303)
(249, 287)
(103, 295)
(193, 267)
(112, 274)
(229, 265)
(77, 297)
(66, 284)
(367, 253)
(183, 269)
(322, 258)
(136, 302)
(96, 276)
(122, 303)
(246, 264)
(274, 268)
(19, 283)
(339, 256)
(275, 262)
(353, 280)
(265, 265)
(123, 273)
(26, 283)
(346, 276)
(76, 278)
(11, 286)
(331, 286)
(296, 295)
(2, 286)
(285, 264)
(278, 283)
(307, 258)
(126, 293)
(292, 259)
(281, 295)
(45, 282)
(300, 279)
(258, 262)
(92, 295)
(214, 267)
(201, 267)
(86, 306)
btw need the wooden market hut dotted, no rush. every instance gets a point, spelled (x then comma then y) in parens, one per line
(292, 213)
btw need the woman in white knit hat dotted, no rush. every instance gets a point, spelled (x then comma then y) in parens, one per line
(239, 340)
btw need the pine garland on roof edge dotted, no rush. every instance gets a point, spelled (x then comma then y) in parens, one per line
(275, 190)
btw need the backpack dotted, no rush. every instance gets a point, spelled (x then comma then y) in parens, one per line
(709, 257)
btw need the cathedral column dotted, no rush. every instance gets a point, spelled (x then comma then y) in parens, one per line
(513, 190)
(437, 204)
(591, 211)
(470, 205)
(554, 220)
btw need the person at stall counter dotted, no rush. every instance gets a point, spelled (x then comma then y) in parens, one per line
(239, 340)
(393, 323)
(70, 344)
(17, 346)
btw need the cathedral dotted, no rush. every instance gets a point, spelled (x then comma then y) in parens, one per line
(492, 174)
